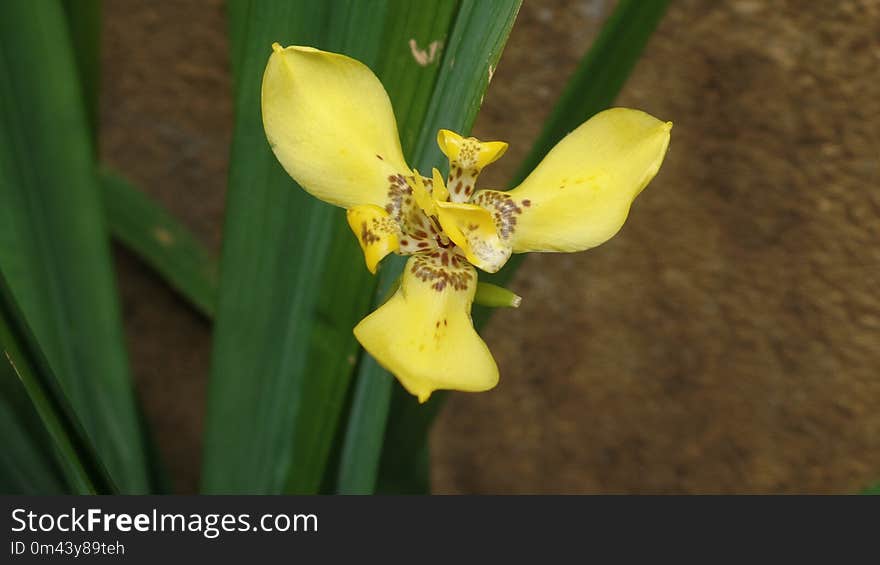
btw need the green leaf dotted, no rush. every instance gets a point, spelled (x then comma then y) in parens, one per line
(598, 79)
(27, 463)
(84, 23)
(44, 449)
(272, 241)
(53, 243)
(475, 43)
(365, 429)
(402, 469)
(276, 232)
(161, 241)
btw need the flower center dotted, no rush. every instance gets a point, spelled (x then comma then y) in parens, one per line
(426, 216)
(412, 206)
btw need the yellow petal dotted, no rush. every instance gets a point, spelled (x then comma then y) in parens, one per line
(439, 191)
(579, 196)
(376, 232)
(473, 229)
(467, 157)
(424, 334)
(420, 193)
(330, 123)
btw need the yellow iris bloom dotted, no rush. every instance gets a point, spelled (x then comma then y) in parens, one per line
(330, 123)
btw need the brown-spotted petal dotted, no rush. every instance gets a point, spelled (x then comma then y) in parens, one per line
(424, 334)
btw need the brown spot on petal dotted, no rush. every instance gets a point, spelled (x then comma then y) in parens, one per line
(367, 235)
(504, 210)
(427, 269)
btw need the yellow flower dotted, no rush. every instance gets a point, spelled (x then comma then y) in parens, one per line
(330, 123)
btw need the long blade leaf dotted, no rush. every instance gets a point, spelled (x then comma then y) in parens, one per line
(275, 247)
(32, 395)
(53, 244)
(27, 465)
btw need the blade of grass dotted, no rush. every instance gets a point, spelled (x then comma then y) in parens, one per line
(26, 372)
(475, 43)
(53, 245)
(161, 241)
(595, 84)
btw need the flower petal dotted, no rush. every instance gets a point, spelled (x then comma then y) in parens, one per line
(580, 194)
(330, 123)
(421, 194)
(467, 157)
(438, 190)
(424, 333)
(473, 229)
(376, 232)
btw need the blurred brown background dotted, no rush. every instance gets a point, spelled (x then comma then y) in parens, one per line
(727, 340)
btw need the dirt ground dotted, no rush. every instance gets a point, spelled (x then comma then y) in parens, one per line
(727, 340)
